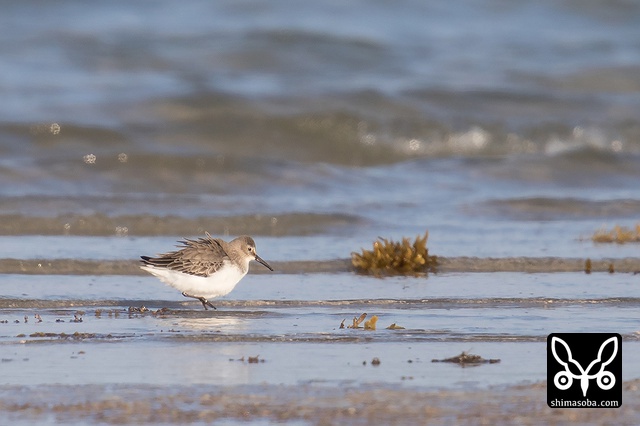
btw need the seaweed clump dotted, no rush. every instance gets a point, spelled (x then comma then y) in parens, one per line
(389, 257)
(619, 234)
(467, 359)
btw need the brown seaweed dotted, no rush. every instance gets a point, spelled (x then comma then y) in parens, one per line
(467, 359)
(389, 257)
(619, 235)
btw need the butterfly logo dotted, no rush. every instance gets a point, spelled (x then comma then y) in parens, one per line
(564, 379)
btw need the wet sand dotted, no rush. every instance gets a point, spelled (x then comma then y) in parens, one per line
(150, 225)
(446, 265)
(303, 404)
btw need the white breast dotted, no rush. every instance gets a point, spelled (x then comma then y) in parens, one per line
(219, 284)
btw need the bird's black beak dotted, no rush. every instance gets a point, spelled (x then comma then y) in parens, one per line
(260, 260)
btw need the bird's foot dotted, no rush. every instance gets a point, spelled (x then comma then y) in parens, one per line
(202, 300)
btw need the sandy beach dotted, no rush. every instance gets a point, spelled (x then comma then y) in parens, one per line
(301, 405)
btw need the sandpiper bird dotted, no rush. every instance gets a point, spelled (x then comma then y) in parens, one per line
(205, 268)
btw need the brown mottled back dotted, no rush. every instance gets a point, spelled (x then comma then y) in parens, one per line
(194, 257)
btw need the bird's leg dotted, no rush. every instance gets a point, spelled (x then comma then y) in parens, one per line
(202, 300)
(206, 303)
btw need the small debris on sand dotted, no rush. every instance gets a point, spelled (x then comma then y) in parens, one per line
(371, 324)
(357, 321)
(395, 326)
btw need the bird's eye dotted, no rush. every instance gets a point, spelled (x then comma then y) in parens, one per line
(250, 248)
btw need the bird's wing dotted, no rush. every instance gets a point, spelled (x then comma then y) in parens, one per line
(201, 257)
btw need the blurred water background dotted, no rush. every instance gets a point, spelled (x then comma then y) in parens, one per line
(505, 128)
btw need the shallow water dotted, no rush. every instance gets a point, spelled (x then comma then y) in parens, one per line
(293, 323)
